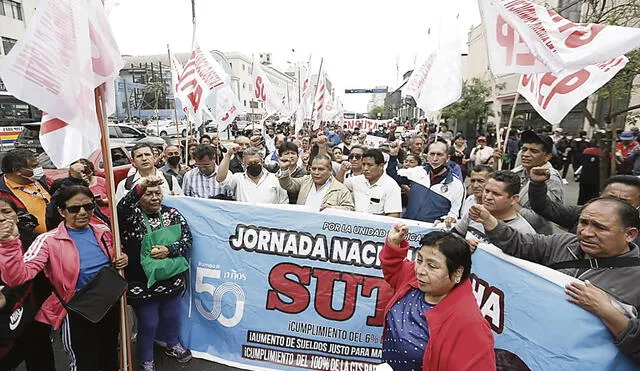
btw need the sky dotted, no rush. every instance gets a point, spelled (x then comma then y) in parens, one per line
(361, 42)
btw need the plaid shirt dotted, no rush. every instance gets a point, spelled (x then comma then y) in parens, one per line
(196, 184)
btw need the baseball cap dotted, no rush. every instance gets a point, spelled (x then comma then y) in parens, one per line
(627, 135)
(530, 136)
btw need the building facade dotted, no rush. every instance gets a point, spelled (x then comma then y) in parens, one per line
(134, 100)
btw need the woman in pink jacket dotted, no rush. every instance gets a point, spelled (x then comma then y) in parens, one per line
(70, 256)
(432, 322)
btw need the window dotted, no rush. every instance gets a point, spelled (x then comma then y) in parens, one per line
(243, 66)
(245, 103)
(129, 132)
(118, 157)
(2, 87)
(244, 86)
(7, 44)
(14, 111)
(11, 9)
(230, 64)
(113, 133)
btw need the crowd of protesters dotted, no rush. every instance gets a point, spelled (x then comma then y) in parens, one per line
(55, 239)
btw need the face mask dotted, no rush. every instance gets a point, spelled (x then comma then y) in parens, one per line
(173, 160)
(438, 169)
(254, 169)
(331, 132)
(37, 173)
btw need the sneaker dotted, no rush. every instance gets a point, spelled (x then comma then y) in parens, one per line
(148, 366)
(178, 352)
(565, 182)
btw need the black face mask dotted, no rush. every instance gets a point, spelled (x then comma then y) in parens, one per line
(254, 169)
(438, 169)
(173, 160)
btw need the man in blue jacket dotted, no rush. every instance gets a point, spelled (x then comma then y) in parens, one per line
(435, 192)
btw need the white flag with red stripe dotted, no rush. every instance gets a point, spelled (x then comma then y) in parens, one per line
(264, 91)
(553, 96)
(303, 111)
(66, 52)
(227, 107)
(201, 75)
(524, 37)
(320, 98)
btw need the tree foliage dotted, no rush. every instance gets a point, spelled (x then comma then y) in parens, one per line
(615, 93)
(377, 110)
(472, 107)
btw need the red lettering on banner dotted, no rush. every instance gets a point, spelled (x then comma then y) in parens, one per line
(568, 84)
(506, 38)
(526, 11)
(259, 90)
(583, 35)
(299, 298)
(565, 86)
(294, 290)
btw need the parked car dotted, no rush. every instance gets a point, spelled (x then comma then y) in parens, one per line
(164, 128)
(29, 137)
(120, 157)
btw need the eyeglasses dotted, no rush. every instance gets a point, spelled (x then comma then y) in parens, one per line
(76, 208)
(356, 156)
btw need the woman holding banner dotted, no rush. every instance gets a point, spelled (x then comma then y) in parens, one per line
(432, 321)
(158, 239)
(79, 260)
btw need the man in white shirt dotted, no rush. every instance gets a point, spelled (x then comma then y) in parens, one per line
(143, 159)
(375, 192)
(477, 180)
(500, 198)
(482, 154)
(255, 185)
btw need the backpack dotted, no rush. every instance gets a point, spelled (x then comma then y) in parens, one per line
(128, 183)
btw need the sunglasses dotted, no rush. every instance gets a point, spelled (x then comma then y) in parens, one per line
(76, 209)
(357, 157)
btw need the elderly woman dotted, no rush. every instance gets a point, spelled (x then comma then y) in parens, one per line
(71, 256)
(153, 233)
(432, 321)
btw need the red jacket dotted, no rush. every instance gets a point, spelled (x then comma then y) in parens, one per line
(460, 338)
(56, 254)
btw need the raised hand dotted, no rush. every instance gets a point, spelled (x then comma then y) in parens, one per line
(539, 174)
(397, 234)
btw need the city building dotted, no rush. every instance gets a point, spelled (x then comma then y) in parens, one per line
(139, 72)
(14, 17)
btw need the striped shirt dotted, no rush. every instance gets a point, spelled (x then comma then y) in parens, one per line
(197, 184)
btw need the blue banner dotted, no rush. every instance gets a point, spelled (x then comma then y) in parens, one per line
(288, 289)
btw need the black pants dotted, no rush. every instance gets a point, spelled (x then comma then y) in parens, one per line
(33, 347)
(91, 346)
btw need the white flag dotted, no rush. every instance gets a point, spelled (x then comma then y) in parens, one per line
(66, 52)
(438, 81)
(263, 90)
(201, 75)
(319, 100)
(524, 37)
(553, 96)
(303, 111)
(227, 108)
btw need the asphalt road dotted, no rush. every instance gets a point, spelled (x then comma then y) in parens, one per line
(164, 363)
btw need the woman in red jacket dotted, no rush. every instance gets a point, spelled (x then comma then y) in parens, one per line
(433, 321)
(70, 256)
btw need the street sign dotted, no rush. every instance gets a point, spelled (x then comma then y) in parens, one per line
(365, 91)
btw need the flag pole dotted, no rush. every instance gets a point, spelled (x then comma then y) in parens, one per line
(125, 344)
(513, 112)
(175, 110)
(313, 107)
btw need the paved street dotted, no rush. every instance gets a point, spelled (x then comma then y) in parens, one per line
(166, 364)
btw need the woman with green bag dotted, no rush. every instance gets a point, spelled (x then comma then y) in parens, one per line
(157, 240)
